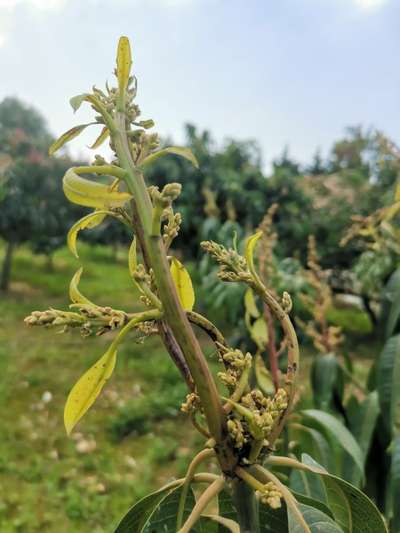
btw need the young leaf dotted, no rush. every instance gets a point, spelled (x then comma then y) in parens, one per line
(176, 150)
(105, 132)
(259, 333)
(92, 194)
(249, 250)
(250, 304)
(263, 377)
(89, 221)
(67, 136)
(87, 389)
(388, 383)
(74, 293)
(124, 63)
(183, 284)
(337, 434)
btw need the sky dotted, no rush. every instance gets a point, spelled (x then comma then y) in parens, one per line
(290, 73)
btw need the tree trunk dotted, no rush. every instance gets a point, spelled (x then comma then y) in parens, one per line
(6, 268)
(246, 505)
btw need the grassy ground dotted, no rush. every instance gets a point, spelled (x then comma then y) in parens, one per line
(126, 445)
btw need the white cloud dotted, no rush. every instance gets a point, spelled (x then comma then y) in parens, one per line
(371, 4)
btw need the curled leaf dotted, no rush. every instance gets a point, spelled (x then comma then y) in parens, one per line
(87, 388)
(183, 284)
(74, 293)
(124, 62)
(67, 136)
(92, 194)
(176, 150)
(89, 221)
(249, 250)
(101, 138)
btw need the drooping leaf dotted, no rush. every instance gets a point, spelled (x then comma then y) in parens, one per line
(337, 434)
(353, 511)
(89, 221)
(87, 388)
(67, 136)
(388, 383)
(395, 483)
(183, 284)
(105, 132)
(259, 333)
(324, 373)
(75, 294)
(249, 250)
(176, 150)
(250, 304)
(124, 63)
(92, 194)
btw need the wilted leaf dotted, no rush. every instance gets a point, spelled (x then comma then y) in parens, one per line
(87, 389)
(89, 221)
(105, 132)
(67, 136)
(74, 293)
(92, 194)
(124, 63)
(176, 150)
(183, 284)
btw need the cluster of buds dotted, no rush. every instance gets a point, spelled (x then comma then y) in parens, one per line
(235, 362)
(172, 227)
(192, 404)
(268, 241)
(236, 432)
(270, 495)
(88, 317)
(233, 266)
(257, 415)
(141, 143)
(146, 329)
(164, 198)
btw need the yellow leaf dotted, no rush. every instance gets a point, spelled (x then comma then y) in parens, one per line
(132, 257)
(101, 138)
(177, 150)
(91, 193)
(89, 221)
(259, 333)
(249, 250)
(74, 293)
(183, 284)
(250, 304)
(87, 388)
(263, 377)
(124, 63)
(66, 137)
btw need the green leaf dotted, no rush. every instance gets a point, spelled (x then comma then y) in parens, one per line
(249, 250)
(317, 521)
(176, 150)
(362, 419)
(87, 388)
(353, 511)
(250, 304)
(395, 483)
(124, 63)
(105, 132)
(388, 383)
(92, 194)
(337, 434)
(273, 520)
(391, 303)
(263, 376)
(75, 295)
(89, 221)
(314, 443)
(183, 284)
(67, 136)
(324, 373)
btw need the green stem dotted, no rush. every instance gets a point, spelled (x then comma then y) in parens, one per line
(208, 495)
(173, 312)
(246, 506)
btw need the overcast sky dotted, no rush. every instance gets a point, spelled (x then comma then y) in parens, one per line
(284, 72)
